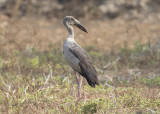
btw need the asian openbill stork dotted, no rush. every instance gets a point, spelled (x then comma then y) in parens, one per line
(76, 56)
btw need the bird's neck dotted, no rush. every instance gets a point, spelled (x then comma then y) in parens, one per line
(70, 30)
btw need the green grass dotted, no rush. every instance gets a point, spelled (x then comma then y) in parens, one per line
(34, 81)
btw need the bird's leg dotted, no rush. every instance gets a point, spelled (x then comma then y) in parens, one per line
(78, 85)
(80, 80)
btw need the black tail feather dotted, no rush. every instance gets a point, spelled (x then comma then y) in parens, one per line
(93, 82)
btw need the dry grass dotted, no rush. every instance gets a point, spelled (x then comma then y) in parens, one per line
(34, 77)
(106, 34)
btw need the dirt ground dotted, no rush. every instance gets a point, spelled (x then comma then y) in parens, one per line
(105, 34)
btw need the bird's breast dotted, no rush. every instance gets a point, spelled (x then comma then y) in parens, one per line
(70, 58)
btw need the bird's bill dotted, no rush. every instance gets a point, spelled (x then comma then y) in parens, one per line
(81, 27)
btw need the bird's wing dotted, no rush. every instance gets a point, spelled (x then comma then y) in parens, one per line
(87, 69)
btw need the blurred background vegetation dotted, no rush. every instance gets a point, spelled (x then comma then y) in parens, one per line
(91, 9)
(123, 42)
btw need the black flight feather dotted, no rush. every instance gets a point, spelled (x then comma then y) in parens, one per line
(87, 69)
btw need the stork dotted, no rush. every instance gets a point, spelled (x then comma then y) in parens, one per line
(76, 56)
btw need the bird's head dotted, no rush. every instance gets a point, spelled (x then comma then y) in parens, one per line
(72, 21)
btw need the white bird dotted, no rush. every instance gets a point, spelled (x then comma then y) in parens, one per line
(76, 56)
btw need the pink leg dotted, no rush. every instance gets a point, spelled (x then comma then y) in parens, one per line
(80, 80)
(78, 85)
